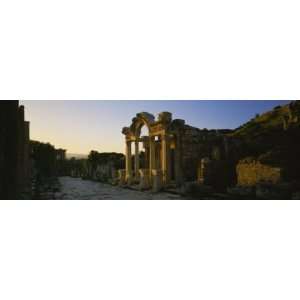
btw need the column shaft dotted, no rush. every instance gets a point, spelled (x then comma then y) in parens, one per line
(128, 162)
(166, 159)
(152, 154)
(136, 160)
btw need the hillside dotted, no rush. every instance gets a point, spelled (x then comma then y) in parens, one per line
(273, 138)
(280, 118)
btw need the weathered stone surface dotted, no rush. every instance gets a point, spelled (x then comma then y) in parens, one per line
(203, 170)
(122, 177)
(216, 157)
(157, 182)
(251, 172)
(144, 179)
(76, 188)
(172, 147)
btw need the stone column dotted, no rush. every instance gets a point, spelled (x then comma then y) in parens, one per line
(152, 154)
(136, 159)
(146, 147)
(144, 179)
(166, 159)
(128, 162)
(157, 180)
(122, 177)
(146, 157)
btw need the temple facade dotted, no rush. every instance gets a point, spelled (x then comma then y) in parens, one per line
(171, 152)
(162, 150)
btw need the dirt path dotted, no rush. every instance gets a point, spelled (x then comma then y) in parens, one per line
(76, 188)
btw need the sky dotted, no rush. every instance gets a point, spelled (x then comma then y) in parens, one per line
(82, 126)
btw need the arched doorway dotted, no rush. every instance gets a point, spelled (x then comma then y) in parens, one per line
(155, 151)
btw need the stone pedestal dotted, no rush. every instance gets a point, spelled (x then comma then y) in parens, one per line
(122, 177)
(157, 180)
(144, 179)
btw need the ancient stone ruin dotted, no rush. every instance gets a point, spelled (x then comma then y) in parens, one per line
(251, 172)
(258, 159)
(22, 160)
(14, 150)
(173, 155)
(172, 151)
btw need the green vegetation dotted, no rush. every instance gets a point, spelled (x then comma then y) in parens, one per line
(96, 158)
(43, 156)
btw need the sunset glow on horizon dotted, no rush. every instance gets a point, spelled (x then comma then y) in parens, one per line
(82, 126)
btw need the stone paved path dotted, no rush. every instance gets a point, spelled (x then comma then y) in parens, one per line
(76, 188)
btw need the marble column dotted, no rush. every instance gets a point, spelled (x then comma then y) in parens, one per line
(166, 159)
(157, 182)
(144, 179)
(147, 157)
(136, 160)
(128, 162)
(152, 154)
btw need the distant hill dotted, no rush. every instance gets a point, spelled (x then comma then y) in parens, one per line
(280, 118)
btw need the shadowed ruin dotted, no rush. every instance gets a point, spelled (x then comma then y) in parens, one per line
(14, 150)
(261, 155)
(259, 159)
(173, 152)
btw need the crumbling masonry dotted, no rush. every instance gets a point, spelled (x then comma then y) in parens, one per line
(173, 151)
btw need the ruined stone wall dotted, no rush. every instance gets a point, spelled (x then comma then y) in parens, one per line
(106, 171)
(250, 173)
(14, 150)
(9, 149)
(215, 173)
(192, 147)
(197, 144)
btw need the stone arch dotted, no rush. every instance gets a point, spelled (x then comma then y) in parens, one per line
(141, 119)
(161, 143)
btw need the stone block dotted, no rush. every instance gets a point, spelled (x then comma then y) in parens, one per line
(253, 172)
